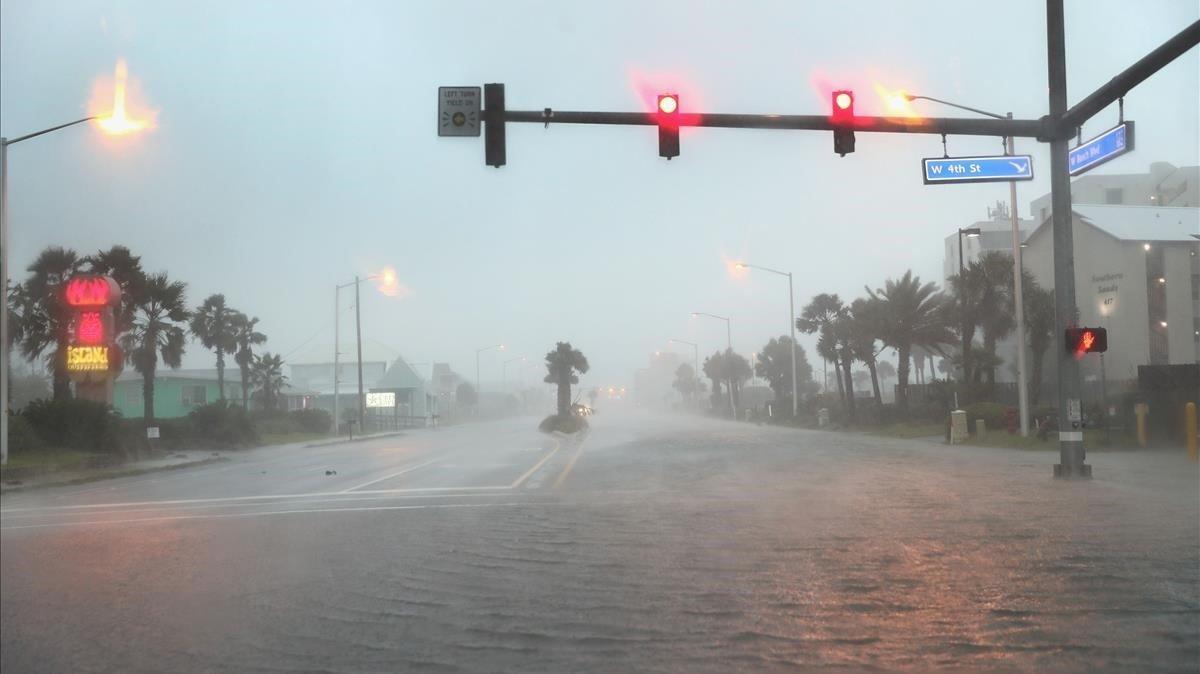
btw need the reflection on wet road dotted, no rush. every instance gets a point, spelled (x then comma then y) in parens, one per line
(656, 544)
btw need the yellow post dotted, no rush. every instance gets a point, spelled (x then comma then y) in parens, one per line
(1189, 415)
(1141, 409)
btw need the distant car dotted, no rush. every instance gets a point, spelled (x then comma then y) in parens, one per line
(581, 410)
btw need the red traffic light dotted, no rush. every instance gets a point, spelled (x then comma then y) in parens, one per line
(844, 100)
(668, 125)
(668, 104)
(843, 117)
(1086, 340)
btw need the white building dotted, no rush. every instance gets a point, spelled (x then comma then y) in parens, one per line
(1164, 185)
(1137, 273)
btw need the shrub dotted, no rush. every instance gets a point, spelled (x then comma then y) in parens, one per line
(21, 437)
(564, 423)
(82, 425)
(311, 420)
(222, 424)
(991, 413)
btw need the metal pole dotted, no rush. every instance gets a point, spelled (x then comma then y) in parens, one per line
(1018, 290)
(962, 296)
(362, 413)
(4, 302)
(336, 402)
(729, 350)
(476, 371)
(792, 333)
(1070, 429)
(1104, 401)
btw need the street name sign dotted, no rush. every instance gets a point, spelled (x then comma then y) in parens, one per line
(458, 111)
(1108, 145)
(955, 170)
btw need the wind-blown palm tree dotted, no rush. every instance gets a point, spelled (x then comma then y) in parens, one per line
(818, 316)
(159, 318)
(45, 319)
(864, 331)
(562, 364)
(269, 380)
(213, 323)
(126, 269)
(997, 320)
(912, 314)
(245, 338)
(1039, 327)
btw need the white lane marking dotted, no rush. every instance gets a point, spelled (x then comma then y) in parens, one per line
(306, 511)
(222, 499)
(537, 465)
(571, 464)
(349, 498)
(408, 469)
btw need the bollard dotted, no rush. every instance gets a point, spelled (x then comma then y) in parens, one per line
(1141, 410)
(1189, 415)
(958, 427)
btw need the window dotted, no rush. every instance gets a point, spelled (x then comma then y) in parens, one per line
(1114, 195)
(194, 395)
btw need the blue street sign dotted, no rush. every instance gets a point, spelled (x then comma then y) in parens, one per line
(1108, 145)
(1001, 168)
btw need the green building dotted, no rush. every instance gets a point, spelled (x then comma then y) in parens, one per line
(176, 392)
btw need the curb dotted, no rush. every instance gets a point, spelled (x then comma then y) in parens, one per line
(361, 438)
(84, 479)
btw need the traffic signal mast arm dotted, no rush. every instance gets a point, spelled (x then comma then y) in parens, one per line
(1020, 128)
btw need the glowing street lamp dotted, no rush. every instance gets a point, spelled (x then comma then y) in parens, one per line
(116, 122)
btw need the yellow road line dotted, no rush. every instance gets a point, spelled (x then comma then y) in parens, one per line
(571, 464)
(537, 465)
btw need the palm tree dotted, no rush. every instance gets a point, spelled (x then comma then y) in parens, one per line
(912, 314)
(1039, 327)
(818, 316)
(245, 337)
(45, 319)
(268, 377)
(159, 318)
(126, 269)
(842, 331)
(995, 280)
(714, 368)
(562, 364)
(213, 323)
(864, 331)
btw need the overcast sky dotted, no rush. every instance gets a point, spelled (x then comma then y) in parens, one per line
(296, 146)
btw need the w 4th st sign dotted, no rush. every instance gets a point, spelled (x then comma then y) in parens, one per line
(955, 170)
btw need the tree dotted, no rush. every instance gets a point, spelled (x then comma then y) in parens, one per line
(995, 280)
(686, 382)
(245, 338)
(126, 269)
(886, 371)
(159, 316)
(714, 368)
(818, 316)
(1039, 327)
(562, 364)
(737, 372)
(911, 313)
(269, 380)
(43, 317)
(841, 329)
(865, 326)
(215, 325)
(775, 365)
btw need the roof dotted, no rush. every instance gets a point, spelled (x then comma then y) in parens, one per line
(1143, 223)
(400, 375)
(232, 374)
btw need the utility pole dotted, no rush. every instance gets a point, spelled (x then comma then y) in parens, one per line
(362, 417)
(1070, 409)
(1019, 299)
(337, 290)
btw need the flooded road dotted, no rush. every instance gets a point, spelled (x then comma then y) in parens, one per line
(670, 544)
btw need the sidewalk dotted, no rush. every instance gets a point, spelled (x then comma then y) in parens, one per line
(15, 479)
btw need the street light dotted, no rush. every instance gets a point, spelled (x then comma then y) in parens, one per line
(477, 352)
(115, 123)
(504, 370)
(729, 347)
(1017, 245)
(791, 327)
(971, 232)
(388, 277)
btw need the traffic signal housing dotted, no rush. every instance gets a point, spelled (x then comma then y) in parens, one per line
(668, 125)
(843, 116)
(494, 136)
(1086, 340)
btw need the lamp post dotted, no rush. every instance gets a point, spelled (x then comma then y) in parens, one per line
(962, 296)
(117, 124)
(791, 327)
(388, 278)
(729, 348)
(477, 352)
(1019, 299)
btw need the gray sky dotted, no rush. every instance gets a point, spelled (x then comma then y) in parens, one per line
(296, 147)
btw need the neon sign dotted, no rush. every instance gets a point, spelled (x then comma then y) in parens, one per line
(87, 358)
(89, 328)
(92, 291)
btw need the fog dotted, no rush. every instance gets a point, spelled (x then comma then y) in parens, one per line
(295, 148)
